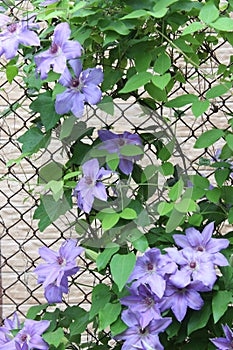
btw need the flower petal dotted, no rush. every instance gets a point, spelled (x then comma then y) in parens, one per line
(93, 76)
(92, 93)
(64, 102)
(72, 49)
(77, 67)
(100, 192)
(29, 38)
(78, 104)
(126, 166)
(61, 33)
(66, 78)
(194, 237)
(207, 232)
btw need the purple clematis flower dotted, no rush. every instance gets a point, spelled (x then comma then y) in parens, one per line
(113, 143)
(90, 185)
(48, 2)
(203, 242)
(80, 88)
(180, 294)
(29, 337)
(152, 269)
(224, 343)
(5, 330)
(53, 293)
(198, 266)
(16, 34)
(143, 301)
(142, 337)
(31, 334)
(59, 265)
(4, 19)
(60, 51)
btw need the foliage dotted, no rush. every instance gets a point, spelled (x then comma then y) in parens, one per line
(135, 44)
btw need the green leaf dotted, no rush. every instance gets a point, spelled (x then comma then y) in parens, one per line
(136, 14)
(54, 338)
(208, 138)
(159, 13)
(224, 24)
(213, 195)
(107, 105)
(91, 254)
(220, 303)
(218, 90)
(162, 64)
(35, 310)
(117, 327)
(193, 27)
(186, 205)
(128, 214)
(33, 139)
(176, 190)
(155, 92)
(161, 81)
(45, 106)
(100, 296)
(221, 175)
(141, 243)
(121, 267)
(115, 26)
(230, 216)
(199, 107)
(163, 3)
(81, 318)
(104, 257)
(174, 220)
(49, 172)
(166, 151)
(229, 140)
(166, 169)
(199, 318)
(209, 13)
(110, 220)
(56, 187)
(136, 81)
(49, 210)
(67, 127)
(195, 219)
(165, 208)
(11, 72)
(112, 159)
(131, 150)
(181, 101)
(108, 315)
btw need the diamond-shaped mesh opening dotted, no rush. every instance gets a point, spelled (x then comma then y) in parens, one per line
(20, 237)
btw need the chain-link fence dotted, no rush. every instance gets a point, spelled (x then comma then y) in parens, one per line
(19, 191)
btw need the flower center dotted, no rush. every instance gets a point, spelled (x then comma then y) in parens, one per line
(193, 265)
(60, 260)
(89, 180)
(149, 301)
(23, 337)
(150, 267)
(143, 331)
(121, 142)
(200, 249)
(54, 48)
(75, 82)
(12, 27)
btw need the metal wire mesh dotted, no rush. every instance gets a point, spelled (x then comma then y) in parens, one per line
(20, 237)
